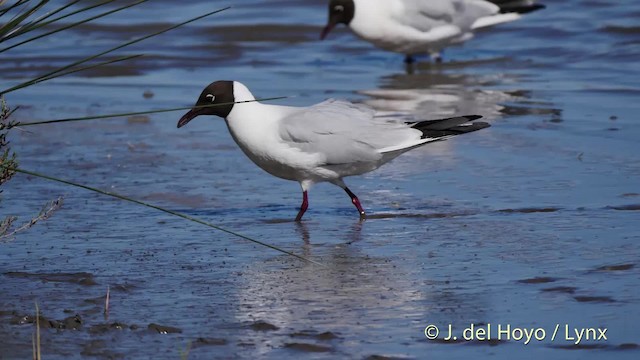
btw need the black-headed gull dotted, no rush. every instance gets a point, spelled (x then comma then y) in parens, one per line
(414, 27)
(324, 142)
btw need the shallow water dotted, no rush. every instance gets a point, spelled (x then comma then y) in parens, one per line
(531, 223)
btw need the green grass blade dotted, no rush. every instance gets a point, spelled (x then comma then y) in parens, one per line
(171, 212)
(34, 81)
(15, 5)
(16, 21)
(72, 25)
(36, 24)
(7, 26)
(38, 353)
(109, 116)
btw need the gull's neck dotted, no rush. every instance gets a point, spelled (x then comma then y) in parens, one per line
(243, 110)
(241, 92)
(253, 110)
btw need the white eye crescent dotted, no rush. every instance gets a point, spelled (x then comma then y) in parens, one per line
(339, 8)
(211, 97)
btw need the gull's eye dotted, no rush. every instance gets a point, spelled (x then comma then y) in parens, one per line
(338, 8)
(211, 97)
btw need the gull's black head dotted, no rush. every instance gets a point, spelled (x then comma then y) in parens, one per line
(219, 92)
(340, 12)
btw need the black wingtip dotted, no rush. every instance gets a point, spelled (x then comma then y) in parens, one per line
(462, 129)
(444, 124)
(450, 126)
(522, 9)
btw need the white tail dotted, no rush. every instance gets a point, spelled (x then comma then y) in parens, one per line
(494, 20)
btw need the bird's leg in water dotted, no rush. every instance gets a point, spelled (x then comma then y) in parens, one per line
(408, 59)
(304, 206)
(356, 202)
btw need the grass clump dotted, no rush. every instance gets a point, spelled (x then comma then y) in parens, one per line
(7, 156)
(8, 162)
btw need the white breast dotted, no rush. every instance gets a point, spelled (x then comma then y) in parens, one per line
(254, 127)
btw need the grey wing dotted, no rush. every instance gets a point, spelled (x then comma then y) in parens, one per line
(342, 132)
(325, 129)
(426, 15)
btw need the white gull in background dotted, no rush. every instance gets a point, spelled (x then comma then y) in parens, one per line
(413, 27)
(324, 142)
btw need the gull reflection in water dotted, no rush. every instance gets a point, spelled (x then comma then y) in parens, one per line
(439, 94)
(363, 291)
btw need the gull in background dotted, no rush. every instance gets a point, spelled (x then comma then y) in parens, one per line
(323, 142)
(413, 27)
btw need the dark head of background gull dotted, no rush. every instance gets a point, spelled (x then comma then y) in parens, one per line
(340, 12)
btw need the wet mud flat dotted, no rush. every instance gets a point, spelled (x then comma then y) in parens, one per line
(530, 224)
(237, 301)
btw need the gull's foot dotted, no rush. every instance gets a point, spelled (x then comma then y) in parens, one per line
(410, 69)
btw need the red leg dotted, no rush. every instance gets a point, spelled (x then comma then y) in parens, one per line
(304, 206)
(356, 202)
